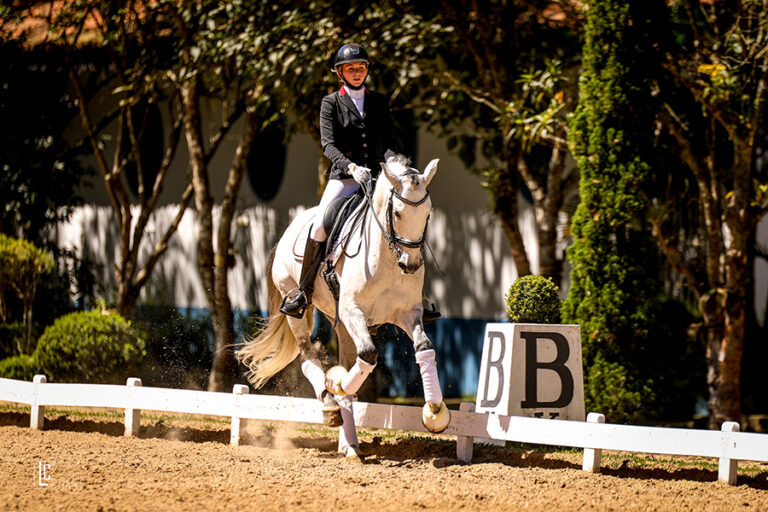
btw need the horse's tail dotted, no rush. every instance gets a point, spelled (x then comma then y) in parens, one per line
(275, 346)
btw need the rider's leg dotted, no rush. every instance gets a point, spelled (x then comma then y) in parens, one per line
(297, 300)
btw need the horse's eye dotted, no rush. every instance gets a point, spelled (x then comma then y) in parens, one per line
(397, 215)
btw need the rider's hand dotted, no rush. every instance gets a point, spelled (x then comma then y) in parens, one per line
(359, 173)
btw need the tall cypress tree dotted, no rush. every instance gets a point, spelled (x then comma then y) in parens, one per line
(613, 276)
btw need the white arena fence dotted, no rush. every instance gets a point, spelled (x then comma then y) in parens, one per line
(728, 445)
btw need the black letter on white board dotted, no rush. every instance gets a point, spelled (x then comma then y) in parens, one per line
(533, 365)
(494, 364)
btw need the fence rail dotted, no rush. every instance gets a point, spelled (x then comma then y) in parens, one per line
(728, 445)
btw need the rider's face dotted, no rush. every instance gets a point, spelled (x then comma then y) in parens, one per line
(355, 73)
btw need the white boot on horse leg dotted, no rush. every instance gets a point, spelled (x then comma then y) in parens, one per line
(435, 415)
(342, 382)
(313, 371)
(348, 443)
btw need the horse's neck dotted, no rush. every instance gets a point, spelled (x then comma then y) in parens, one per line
(379, 247)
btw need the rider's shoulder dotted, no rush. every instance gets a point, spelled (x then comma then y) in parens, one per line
(332, 97)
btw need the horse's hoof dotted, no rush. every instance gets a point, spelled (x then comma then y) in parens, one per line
(331, 411)
(353, 455)
(332, 419)
(333, 380)
(435, 417)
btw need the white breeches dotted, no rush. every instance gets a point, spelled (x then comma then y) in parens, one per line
(334, 189)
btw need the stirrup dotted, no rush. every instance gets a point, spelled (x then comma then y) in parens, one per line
(430, 315)
(294, 297)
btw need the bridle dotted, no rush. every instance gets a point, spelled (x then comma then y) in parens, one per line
(395, 241)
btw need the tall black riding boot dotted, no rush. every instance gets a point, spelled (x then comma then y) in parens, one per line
(297, 300)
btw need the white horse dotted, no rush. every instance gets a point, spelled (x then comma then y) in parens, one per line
(380, 283)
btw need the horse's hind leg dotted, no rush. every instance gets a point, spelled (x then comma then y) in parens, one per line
(348, 443)
(312, 368)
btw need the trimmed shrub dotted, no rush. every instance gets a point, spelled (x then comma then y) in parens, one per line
(92, 346)
(21, 367)
(533, 300)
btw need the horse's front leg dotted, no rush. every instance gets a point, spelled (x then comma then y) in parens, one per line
(435, 415)
(349, 383)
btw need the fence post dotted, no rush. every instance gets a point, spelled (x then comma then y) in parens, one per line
(593, 457)
(132, 416)
(235, 428)
(727, 469)
(465, 444)
(37, 412)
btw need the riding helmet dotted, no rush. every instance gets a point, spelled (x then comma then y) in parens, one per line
(351, 52)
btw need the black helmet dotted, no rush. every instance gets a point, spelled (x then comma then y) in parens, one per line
(351, 52)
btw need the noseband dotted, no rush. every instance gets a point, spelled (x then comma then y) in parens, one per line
(394, 241)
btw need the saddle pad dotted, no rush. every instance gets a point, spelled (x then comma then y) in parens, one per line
(350, 212)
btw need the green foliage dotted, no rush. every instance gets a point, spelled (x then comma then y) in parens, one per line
(39, 168)
(178, 347)
(610, 389)
(20, 367)
(613, 278)
(93, 346)
(533, 299)
(22, 266)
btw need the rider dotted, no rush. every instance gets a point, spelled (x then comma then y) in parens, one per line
(356, 135)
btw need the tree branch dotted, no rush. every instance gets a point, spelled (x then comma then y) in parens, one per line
(730, 122)
(162, 245)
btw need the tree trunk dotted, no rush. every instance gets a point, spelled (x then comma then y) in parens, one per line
(506, 208)
(224, 367)
(203, 200)
(725, 391)
(549, 264)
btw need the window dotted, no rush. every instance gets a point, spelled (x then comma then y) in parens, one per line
(266, 161)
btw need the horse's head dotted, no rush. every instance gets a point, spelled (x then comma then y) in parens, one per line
(408, 207)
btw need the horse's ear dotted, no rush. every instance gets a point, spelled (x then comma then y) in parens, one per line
(393, 178)
(430, 171)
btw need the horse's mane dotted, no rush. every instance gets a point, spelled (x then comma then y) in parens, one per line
(400, 159)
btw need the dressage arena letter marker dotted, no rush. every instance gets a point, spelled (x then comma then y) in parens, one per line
(532, 370)
(533, 365)
(496, 365)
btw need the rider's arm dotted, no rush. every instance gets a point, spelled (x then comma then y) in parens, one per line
(328, 135)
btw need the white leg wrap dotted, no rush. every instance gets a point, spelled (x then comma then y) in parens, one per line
(356, 376)
(428, 369)
(347, 431)
(313, 371)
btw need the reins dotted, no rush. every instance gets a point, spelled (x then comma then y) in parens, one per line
(394, 241)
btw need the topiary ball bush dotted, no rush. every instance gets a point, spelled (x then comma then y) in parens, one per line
(533, 300)
(20, 367)
(92, 346)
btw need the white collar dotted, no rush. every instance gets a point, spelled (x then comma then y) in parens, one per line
(353, 93)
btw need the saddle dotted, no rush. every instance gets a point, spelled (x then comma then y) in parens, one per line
(339, 220)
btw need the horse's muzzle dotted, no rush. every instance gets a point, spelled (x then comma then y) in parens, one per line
(409, 268)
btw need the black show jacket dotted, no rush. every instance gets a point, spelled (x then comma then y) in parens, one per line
(347, 137)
